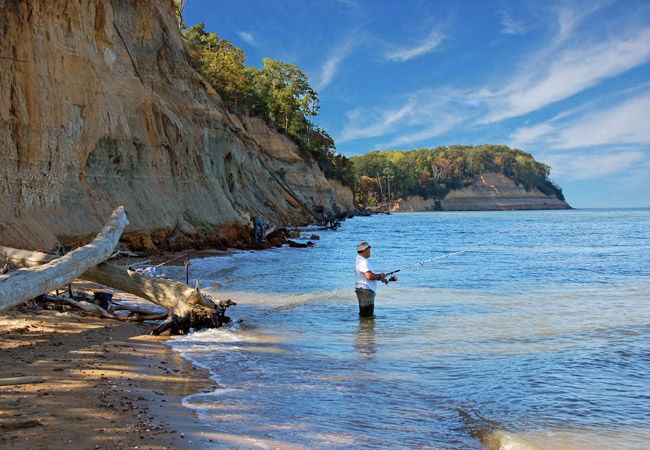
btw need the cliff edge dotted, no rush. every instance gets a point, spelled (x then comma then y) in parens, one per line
(99, 107)
(489, 192)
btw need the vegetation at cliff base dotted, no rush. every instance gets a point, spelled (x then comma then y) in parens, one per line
(432, 172)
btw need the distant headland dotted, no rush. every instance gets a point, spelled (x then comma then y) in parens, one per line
(455, 178)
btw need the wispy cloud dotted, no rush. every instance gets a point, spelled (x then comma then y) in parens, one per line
(363, 124)
(570, 72)
(440, 125)
(330, 67)
(568, 19)
(521, 137)
(585, 141)
(510, 25)
(590, 145)
(246, 37)
(418, 116)
(625, 123)
(580, 166)
(425, 46)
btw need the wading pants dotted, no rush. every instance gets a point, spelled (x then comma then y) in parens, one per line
(366, 302)
(257, 223)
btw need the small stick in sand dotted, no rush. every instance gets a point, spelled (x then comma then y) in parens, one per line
(20, 380)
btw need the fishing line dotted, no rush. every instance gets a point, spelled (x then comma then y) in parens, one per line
(432, 259)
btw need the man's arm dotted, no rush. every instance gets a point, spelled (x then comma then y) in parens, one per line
(374, 276)
(378, 277)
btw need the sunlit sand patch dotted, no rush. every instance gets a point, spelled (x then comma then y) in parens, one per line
(502, 440)
(569, 439)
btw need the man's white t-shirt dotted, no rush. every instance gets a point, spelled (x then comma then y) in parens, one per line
(361, 266)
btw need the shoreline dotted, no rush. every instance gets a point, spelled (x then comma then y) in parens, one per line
(106, 385)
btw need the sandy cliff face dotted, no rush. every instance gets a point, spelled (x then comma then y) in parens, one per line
(99, 108)
(489, 192)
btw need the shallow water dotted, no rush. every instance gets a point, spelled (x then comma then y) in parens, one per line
(537, 338)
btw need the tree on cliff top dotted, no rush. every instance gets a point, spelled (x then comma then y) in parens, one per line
(279, 93)
(289, 97)
(220, 62)
(180, 6)
(434, 172)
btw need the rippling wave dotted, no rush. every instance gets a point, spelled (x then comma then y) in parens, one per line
(540, 338)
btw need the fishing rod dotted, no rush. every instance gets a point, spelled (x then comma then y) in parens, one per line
(429, 260)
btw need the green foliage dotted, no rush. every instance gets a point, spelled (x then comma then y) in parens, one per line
(279, 93)
(219, 62)
(380, 176)
(179, 6)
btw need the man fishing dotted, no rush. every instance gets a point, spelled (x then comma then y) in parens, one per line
(366, 280)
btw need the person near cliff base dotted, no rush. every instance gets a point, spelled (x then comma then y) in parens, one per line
(258, 223)
(366, 280)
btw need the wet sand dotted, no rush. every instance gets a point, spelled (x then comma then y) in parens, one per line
(106, 385)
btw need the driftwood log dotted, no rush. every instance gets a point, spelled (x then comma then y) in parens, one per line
(82, 305)
(25, 284)
(187, 307)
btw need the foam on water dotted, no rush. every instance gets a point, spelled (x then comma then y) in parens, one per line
(539, 340)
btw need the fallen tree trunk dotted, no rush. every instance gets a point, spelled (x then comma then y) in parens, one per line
(25, 284)
(187, 307)
(86, 305)
(82, 305)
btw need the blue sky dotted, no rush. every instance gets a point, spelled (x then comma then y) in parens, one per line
(567, 81)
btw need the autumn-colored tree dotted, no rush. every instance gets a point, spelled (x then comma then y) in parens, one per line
(365, 193)
(425, 180)
(437, 170)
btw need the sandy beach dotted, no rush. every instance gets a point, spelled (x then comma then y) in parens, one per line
(106, 385)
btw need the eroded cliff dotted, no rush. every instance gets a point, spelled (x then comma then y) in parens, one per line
(489, 192)
(100, 108)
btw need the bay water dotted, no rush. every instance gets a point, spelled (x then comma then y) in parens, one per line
(537, 337)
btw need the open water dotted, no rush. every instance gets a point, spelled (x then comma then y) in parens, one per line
(538, 338)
